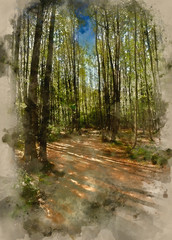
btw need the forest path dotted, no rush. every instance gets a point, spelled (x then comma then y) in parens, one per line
(100, 183)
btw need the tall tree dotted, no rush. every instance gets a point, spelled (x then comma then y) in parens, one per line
(46, 92)
(31, 111)
(16, 55)
(136, 76)
(99, 70)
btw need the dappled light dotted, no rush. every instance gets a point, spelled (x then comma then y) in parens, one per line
(90, 173)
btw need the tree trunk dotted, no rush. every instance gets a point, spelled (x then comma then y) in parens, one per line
(136, 81)
(46, 93)
(16, 58)
(99, 73)
(147, 87)
(31, 117)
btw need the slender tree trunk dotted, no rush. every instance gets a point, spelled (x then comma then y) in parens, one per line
(27, 58)
(105, 81)
(129, 83)
(17, 90)
(17, 45)
(136, 81)
(75, 111)
(118, 73)
(157, 79)
(31, 117)
(46, 93)
(25, 63)
(114, 80)
(147, 87)
(99, 73)
(150, 55)
(78, 87)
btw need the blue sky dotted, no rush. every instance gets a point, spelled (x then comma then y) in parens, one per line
(86, 33)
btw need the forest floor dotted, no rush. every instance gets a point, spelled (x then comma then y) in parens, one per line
(100, 186)
(98, 183)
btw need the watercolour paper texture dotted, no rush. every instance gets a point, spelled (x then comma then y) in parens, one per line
(84, 161)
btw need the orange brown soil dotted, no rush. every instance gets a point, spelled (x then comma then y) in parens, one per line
(98, 177)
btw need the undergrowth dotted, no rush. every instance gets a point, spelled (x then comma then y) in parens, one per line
(149, 153)
(28, 188)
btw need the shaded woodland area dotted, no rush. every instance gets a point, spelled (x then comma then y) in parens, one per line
(64, 85)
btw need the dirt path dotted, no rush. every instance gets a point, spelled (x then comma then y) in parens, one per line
(100, 184)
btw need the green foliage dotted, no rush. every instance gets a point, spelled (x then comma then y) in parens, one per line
(54, 133)
(20, 208)
(142, 153)
(43, 178)
(19, 145)
(128, 150)
(149, 153)
(117, 142)
(90, 88)
(94, 118)
(28, 188)
(159, 158)
(83, 123)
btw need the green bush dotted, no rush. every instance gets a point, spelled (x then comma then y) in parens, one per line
(150, 153)
(160, 158)
(28, 188)
(142, 153)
